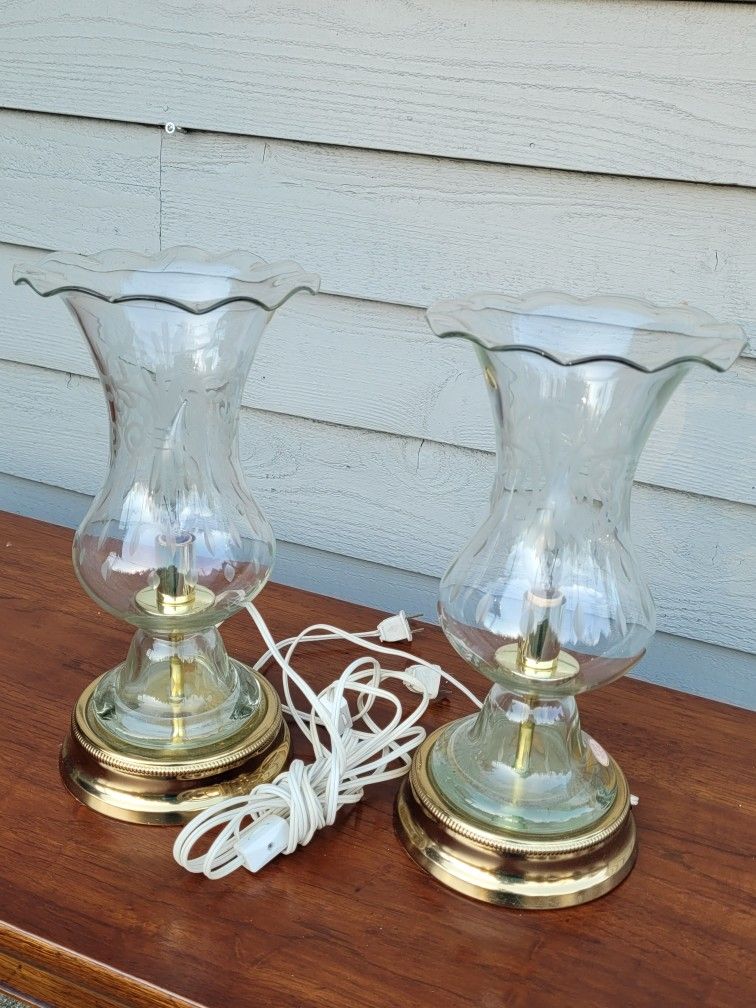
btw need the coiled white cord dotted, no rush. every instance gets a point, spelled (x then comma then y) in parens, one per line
(277, 818)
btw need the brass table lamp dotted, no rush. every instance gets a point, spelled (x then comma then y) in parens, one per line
(517, 805)
(173, 543)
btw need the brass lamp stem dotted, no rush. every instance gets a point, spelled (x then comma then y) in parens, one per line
(538, 655)
(178, 731)
(175, 594)
(525, 740)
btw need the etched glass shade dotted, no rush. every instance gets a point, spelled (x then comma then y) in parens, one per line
(173, 542)
(548, 598)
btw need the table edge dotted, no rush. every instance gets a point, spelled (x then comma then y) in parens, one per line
(76, 980)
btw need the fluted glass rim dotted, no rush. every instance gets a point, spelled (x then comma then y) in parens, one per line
(717, 345)
(101, 275)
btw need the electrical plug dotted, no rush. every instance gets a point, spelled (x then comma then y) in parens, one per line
(395, 628)
(427, 679)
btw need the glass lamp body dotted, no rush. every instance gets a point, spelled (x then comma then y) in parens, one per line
(548, 600)
(173, 543)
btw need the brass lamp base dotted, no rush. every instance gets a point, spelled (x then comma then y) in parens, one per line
(125, 785)
(507, 868)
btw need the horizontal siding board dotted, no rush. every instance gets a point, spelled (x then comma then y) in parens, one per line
(408, 230)
(395, 501)
(661, 89)
(704, 669)
(383, 227)
(373, 366)
(75, 184)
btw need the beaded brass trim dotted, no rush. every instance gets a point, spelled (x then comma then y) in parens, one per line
(235, 750)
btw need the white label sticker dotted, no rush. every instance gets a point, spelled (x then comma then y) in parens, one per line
(598, 751)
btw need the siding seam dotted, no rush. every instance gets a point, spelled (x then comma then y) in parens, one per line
(160, 191)
(399, 152)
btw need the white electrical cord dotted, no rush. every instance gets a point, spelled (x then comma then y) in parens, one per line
(276, 818)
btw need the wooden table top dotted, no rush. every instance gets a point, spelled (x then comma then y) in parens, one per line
(95, 914)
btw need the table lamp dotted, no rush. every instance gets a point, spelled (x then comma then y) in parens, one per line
(173, 543)
(517, 805)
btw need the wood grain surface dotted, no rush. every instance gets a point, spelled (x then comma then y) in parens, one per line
(93, 184)
(95, 913)
(634, 87)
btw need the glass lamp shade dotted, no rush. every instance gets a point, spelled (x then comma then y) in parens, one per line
(548, 598)
(173, 542)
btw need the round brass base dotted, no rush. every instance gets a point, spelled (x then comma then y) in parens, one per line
(507, 868)
(125, 785)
